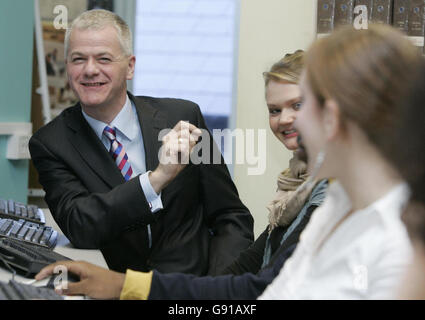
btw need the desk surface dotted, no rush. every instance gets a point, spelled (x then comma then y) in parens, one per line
(63, 247)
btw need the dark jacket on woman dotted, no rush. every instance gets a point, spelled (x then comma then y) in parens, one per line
(246, 278)
(279, 240)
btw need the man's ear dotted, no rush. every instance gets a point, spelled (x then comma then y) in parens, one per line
(131, 66)
(331, 118)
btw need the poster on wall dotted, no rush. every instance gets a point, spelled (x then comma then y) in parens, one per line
(56, 16)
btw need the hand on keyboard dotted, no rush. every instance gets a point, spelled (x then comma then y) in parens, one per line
(95, 282)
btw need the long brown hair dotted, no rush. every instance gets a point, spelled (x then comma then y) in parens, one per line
(365, 72)
(409, 136)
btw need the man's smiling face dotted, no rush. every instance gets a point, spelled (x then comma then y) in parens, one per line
(97, 68)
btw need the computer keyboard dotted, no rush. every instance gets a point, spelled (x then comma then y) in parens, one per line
(14, 210)
(30, 232)
(19, 291)
(26, 259)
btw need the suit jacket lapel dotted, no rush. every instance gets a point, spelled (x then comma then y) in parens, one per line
(152, 122)
(91, 149)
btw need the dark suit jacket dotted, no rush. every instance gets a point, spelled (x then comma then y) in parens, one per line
(202, 227)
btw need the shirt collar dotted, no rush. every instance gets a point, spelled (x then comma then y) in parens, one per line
(390, 206)
(337, 204)
(125, 121)
(394, 198)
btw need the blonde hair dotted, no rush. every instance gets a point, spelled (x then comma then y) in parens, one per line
(287, 69)
(365, 72)
(98, 19)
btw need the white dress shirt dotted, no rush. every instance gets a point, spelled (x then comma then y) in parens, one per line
(363, 258)
(129, 134)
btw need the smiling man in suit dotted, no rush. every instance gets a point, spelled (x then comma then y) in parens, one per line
(105, 186)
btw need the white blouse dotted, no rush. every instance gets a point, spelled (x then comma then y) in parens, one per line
(364, 258)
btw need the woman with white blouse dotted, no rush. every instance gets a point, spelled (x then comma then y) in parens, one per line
(355, 246)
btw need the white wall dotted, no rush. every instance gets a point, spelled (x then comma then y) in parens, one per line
(268, 30)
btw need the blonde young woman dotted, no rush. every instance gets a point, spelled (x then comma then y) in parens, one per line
(289, 212)
(292, 206)
(355, 246)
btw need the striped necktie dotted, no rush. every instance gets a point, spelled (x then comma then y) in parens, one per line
(118, 154)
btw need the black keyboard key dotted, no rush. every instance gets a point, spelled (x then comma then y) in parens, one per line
(11, 206)
(20, 209)
(30, 234)
(39, 216)
(22, 232)
(46, 236)
(31, 224)
(15, 228)
(32, 211)
(53, 240)
(23, 212)
(3, 206)
(5, 227)
(37, 236)
(2, 222)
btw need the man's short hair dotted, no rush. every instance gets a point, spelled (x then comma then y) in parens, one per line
(98, 19)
